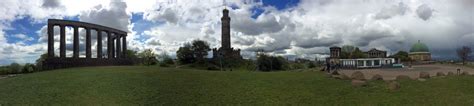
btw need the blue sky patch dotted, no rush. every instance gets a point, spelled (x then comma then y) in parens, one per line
(23, 26)
(281, 4)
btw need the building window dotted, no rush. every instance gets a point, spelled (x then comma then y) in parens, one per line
(376, 62)
(369, 62)
(360, 63)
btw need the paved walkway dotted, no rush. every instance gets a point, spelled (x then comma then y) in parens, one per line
(414, 72)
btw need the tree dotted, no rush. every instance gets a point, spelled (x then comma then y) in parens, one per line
(28, 68)
(464, 54)
(270, 63)
(358, 54)
(39, 61)
(185, 54)
(15, 68)
(131, 54)
(402, 55)
(200, 49)
(148, 57)
(165, 59)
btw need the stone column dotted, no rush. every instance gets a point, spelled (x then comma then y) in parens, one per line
(109, 43)
(88, 43)
(62, 41)
(50, 41)
(124, 46)
(118, 46)
(99, 43)
(76, 42)
(112, 45)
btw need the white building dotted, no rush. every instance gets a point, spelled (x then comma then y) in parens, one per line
(366, 62)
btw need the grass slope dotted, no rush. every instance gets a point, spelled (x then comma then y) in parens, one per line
(154, 85)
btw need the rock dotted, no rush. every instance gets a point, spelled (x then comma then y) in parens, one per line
(421, 79)
(393, 86)
(377, 77)
(358, 83)
(335, 73)
(450, 73)
(358, 76)
(403, 77)
(465, 73)
(424, 75)
(340, 76)
(440, 74)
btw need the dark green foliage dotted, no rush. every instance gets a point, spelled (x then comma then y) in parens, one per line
(195, 52)
(402, 55)
(270, 63)
(39, 61)
(131, 54)
(185, 54)
(148, 57)
(311, 65)
(200, 49)
(28, 68)
(358, 54)
(165, 60)
(15, 68)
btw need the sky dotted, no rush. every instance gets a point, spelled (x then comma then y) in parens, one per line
(289, 28)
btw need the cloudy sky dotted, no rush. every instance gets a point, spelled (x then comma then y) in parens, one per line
(293, 28)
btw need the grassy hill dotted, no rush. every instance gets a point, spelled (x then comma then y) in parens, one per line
(154, 85)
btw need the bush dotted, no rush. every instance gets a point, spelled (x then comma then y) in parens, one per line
(165, 60)
(270, 63)
(311, 65)
(28, 68)
(15, 68)
(148, 57)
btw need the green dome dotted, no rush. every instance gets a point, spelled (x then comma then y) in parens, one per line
(419, 47)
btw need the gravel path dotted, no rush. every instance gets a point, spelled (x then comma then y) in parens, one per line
(414, 72)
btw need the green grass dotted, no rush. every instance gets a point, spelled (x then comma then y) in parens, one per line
(171, 86)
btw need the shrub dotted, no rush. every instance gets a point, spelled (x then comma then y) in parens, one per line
(28, 68)
(269, 63)
(148, 57)
(15, 68)
(311, 65)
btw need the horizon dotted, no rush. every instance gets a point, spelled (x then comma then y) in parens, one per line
(289, 28)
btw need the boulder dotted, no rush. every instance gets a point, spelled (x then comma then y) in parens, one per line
(450, 73)
(335, 73)
(377, 77)
(440, 74)
(393, 86)
(421, 79)
(465, 73)
(358, 83)
(424, 75)
(341, 76)
(403, 77)
(358, 76)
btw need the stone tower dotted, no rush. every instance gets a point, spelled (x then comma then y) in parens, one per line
(225, 38)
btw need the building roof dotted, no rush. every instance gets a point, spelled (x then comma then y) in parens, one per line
(419, 47)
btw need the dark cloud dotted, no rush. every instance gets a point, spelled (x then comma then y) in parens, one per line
(51, 4)
(424, 12)
(116, 16)
(310, 43)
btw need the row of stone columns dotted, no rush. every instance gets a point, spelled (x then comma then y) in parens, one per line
(113, 39)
